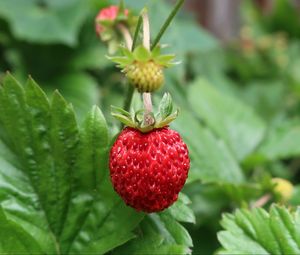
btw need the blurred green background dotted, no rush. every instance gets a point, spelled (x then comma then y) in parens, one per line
(238, 87)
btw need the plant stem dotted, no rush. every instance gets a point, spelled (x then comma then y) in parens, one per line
(146, 30)
(167, 23)
(129, 96)
(262, 201)
(148, 119)
(147, 102)
(126, 34)
(136, 32)
(129, 44)
(130, 90)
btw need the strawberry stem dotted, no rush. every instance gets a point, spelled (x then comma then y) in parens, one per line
(131, 89)
(128, 99)
(167, 23)
(148, 119)
(262, 201)
(129, 44)
(147, 102)
(136, 32)
(126, 34)
(146, 29)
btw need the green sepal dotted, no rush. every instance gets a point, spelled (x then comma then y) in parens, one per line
(167, 120)
(135, 119)
(156, 52)
(127, 53)
(123, 116)
(165, 106)
(119, 110)
(146, 129)
(120, 61)
(141, 54)
(126, 121)
(166, 60)
(139, 116)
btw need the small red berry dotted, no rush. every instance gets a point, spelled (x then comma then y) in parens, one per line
(148, 170)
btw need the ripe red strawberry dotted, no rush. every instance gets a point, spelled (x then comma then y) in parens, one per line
(148, 170)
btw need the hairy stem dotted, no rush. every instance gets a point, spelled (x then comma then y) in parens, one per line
(146, 30)
(262, 201)
(129, 96)
(126, 34)
(148, 119)
(147, 102)
(129, 44)
(136, 33)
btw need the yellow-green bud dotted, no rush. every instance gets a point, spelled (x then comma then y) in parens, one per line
(284, 188)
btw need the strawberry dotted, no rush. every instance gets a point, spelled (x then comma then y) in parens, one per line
(146, 77)
(144, 68)
(107, 17)
(283, 189)
(148, 170)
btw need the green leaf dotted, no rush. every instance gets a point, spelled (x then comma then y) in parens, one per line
(86, 56)
(81, 90)
(45, 22)
(54, 180)
(243, 192)
(211, 159)
(282, 141)
(260, 232)
(14, 240)
(230, 119)
(158, 234)
(181, 211)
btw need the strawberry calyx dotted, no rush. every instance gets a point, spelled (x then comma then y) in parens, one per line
(136, 119)
(142, 55)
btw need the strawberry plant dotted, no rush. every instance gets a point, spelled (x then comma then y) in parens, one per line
(138, 133)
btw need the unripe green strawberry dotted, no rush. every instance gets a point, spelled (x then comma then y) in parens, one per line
(144, 68)
(146, 77)
(283, 188)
